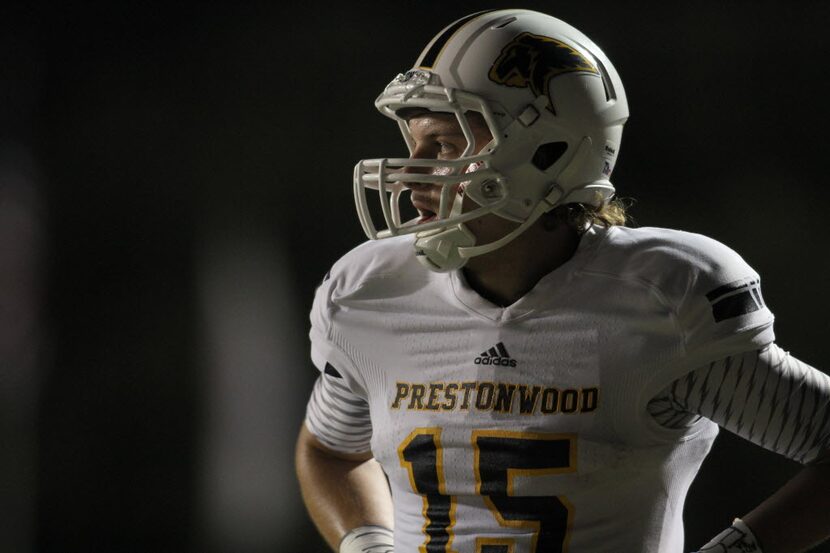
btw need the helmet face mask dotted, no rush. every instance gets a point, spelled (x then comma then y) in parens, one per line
(416, 91)
(551, 101)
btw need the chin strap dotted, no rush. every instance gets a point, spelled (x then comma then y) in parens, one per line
(438, 250)
(448, 249)
(547, 203)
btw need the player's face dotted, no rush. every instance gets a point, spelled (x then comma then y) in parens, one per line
(439, 136)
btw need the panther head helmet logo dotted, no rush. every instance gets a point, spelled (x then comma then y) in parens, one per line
(530, 61)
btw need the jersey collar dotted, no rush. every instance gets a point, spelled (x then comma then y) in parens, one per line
(544, 294)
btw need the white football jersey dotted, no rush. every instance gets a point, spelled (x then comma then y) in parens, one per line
(525, 429)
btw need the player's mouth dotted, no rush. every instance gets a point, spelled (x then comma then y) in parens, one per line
(426, 216)
(424, 206)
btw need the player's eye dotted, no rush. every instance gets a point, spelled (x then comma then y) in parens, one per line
(447, 149)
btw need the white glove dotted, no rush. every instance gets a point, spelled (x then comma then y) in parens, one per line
(367, 539)
(736, 539)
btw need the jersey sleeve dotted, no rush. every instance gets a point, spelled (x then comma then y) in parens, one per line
(711, 298)
(720, 309)
(767, 397)
(338, 418)
(328, 351)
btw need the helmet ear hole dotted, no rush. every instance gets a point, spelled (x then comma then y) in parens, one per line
(548, 154)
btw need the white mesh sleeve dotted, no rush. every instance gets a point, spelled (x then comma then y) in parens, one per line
(337, 417)
(768, 397)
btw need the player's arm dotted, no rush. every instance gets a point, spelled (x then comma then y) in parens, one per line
(797, 516)
(341, 491)
(781, 404)
(343, 487)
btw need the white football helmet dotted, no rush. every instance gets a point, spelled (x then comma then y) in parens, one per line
(554, 105)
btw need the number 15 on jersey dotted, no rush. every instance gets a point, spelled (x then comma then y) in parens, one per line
(499, 457)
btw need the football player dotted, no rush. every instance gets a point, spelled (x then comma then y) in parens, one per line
(521, 370)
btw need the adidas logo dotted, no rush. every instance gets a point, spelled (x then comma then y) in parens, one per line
(497, 355)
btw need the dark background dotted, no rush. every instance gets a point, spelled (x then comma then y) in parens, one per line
(174, 182)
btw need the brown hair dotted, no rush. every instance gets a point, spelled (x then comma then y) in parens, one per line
(581, 216)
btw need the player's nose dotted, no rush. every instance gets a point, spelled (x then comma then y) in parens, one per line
(417, 170)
